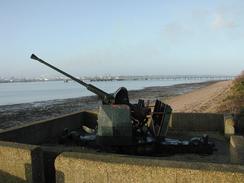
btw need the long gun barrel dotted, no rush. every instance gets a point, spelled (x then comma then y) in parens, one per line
(106, 97)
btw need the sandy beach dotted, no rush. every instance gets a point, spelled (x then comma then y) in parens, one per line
(204, 100)
(193, 97)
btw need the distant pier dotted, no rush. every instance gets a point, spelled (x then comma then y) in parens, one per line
(166, 77)
(123, 78)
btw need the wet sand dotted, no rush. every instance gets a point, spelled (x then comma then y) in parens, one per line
(13, 115)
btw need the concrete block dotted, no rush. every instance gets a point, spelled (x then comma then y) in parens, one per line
(81, 167)
(237, 149)
(229, 125)
(20, 163)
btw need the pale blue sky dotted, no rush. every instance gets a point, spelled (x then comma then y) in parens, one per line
(101, 37)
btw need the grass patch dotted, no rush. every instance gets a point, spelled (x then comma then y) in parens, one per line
(234, 103)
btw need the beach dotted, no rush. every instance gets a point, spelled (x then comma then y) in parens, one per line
(190, 97)
(202, 100)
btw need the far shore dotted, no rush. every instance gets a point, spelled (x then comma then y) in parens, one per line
(17, 114)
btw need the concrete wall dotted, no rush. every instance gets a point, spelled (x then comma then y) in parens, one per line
(42, 131)
(39, 132)
(80, 167)
(237, 149)
(240, 123)
(20, 163)
(198, 121)
(74, 167)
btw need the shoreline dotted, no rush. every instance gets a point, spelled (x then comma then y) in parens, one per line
(17, 114)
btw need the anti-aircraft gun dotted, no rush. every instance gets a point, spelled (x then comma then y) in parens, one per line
(136, 112)
(136, 126)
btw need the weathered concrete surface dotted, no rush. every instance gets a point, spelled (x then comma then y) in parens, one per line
(80, 167)
(237, 149)
(48, 131)
(42, 131)
(229, 125)
(198, 122)
(39, 132)
(20, 163)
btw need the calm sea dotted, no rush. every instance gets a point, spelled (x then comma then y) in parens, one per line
(14, 93)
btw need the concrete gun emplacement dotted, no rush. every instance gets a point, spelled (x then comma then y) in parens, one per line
(139, 128)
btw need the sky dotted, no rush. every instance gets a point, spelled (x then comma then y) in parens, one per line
(122, 37)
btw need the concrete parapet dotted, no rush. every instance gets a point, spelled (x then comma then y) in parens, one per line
(237, 149)
(198, 122)
(81, 167)
(20, 163)
(41, 131)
